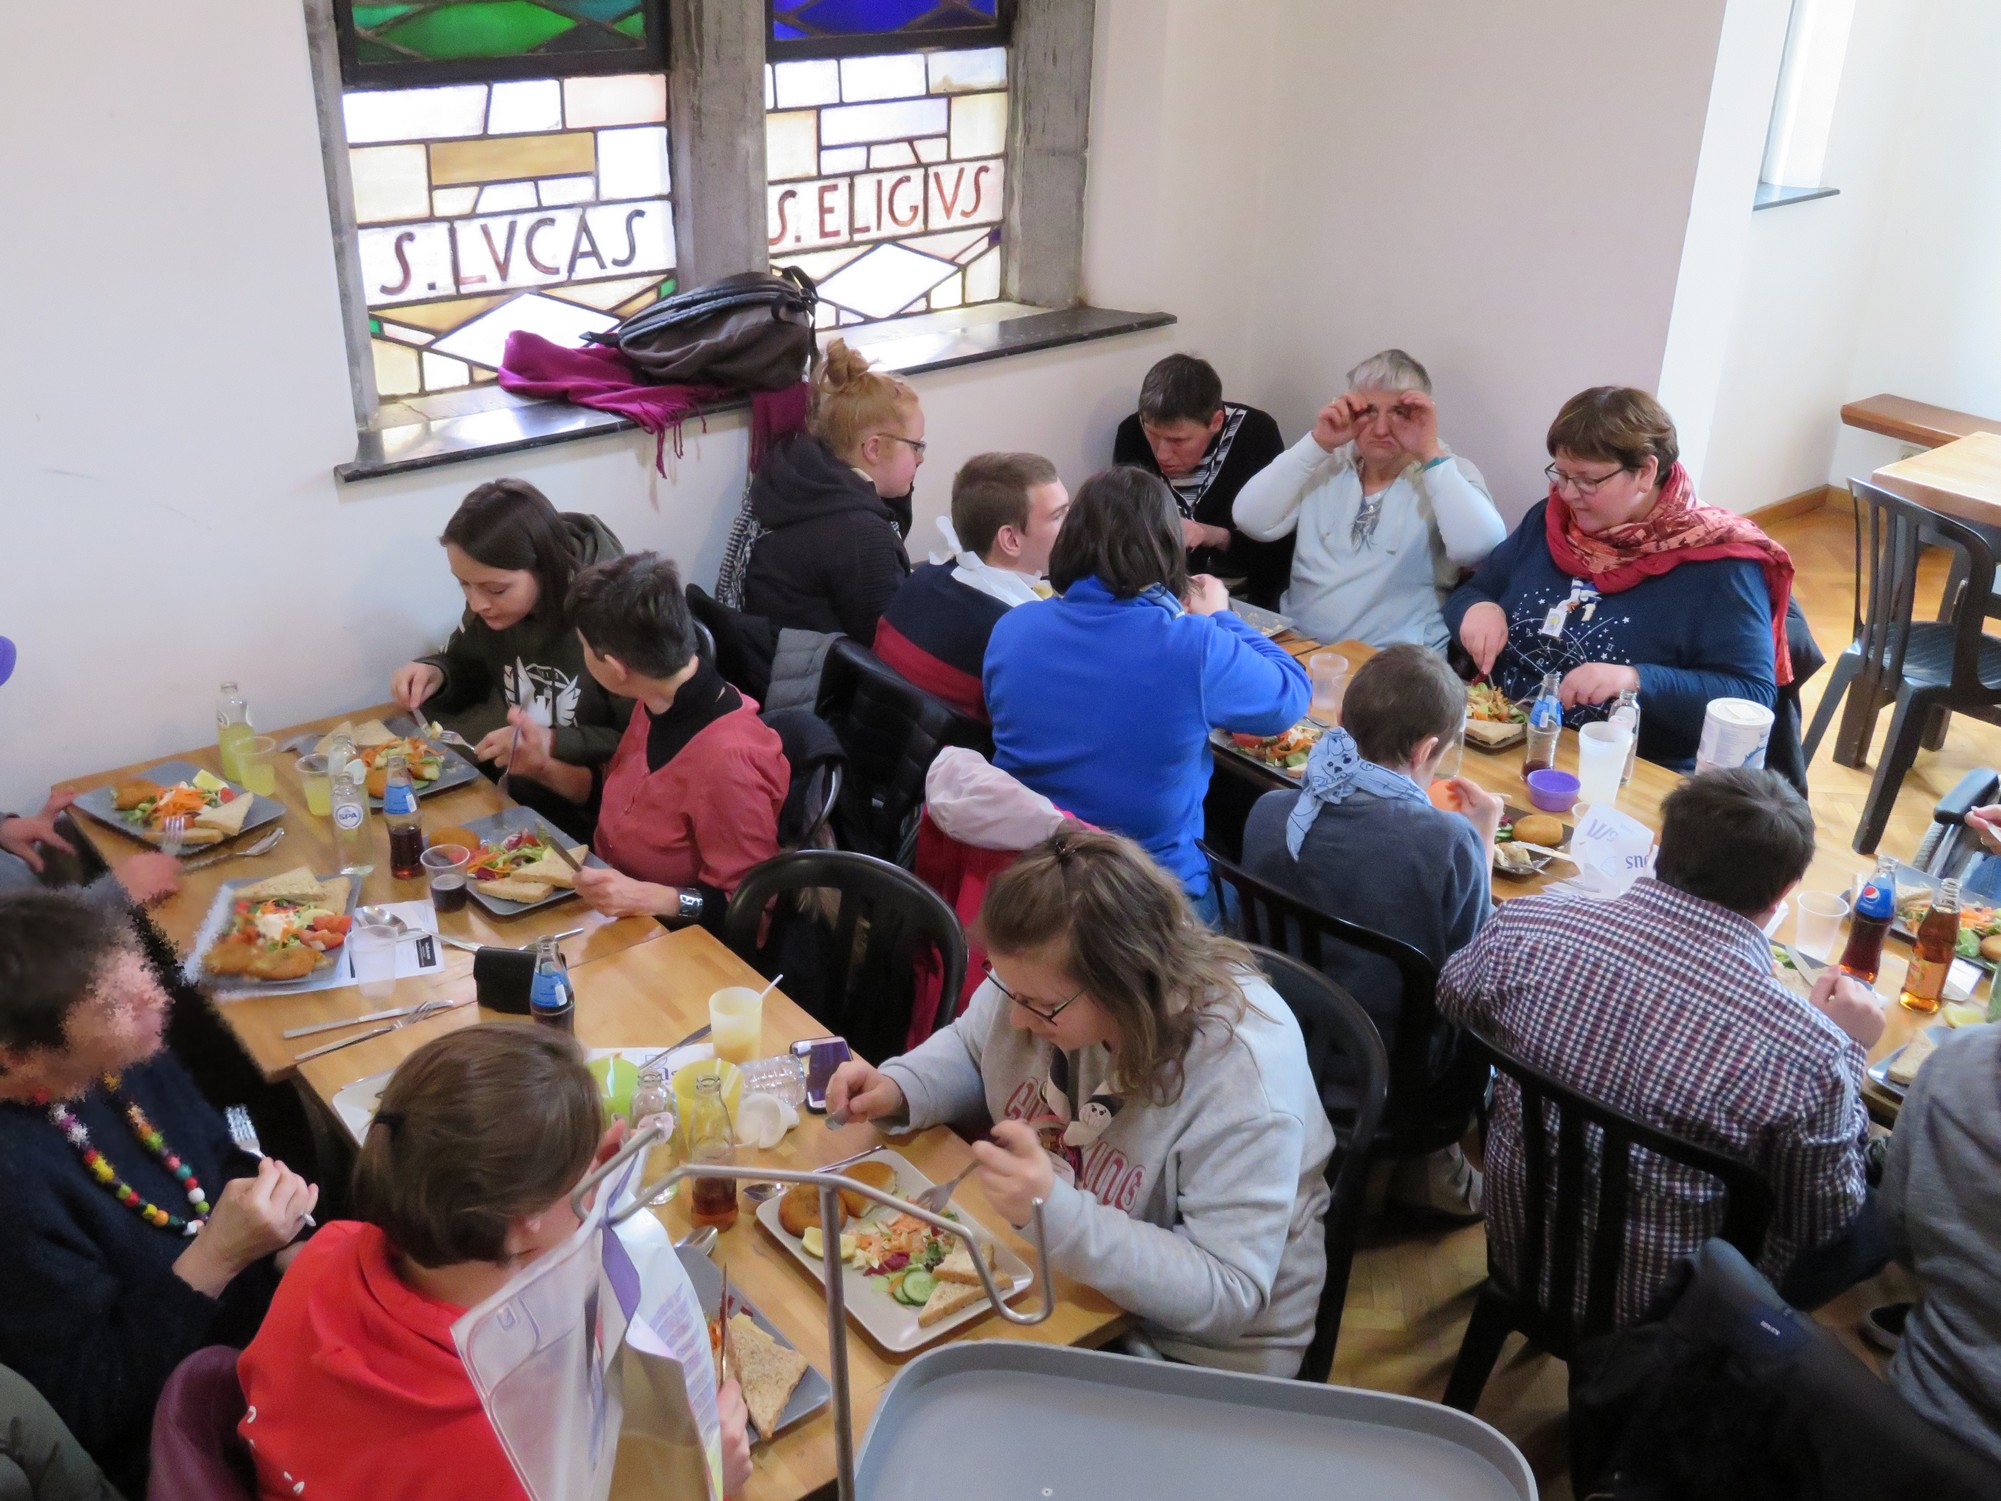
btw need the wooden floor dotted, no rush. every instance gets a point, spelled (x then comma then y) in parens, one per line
(1413, 1288)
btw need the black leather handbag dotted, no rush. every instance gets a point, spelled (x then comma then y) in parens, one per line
(750, 332)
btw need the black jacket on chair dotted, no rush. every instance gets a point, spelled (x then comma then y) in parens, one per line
(831, 555)
(1784, 753)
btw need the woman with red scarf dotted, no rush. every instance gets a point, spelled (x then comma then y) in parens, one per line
(1622, 579)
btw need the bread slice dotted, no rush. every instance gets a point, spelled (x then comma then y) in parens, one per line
(373, 732)
(958, 1263)
(333, 893)
(550, 869)
(299, 882)
(325, 745)
(195, 836)
(768, 1372)
(514, 889)
(946, 1299)
(1912, 1058)
(226, 818)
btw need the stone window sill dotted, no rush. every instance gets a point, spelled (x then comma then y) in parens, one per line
(1771, 195)
(422, 432)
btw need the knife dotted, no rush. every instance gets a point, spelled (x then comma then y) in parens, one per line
(695, 1036)
(561, 847)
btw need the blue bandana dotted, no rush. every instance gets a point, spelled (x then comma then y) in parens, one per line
(1335, 772)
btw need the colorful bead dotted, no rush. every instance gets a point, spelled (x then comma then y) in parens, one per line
(143, 1131)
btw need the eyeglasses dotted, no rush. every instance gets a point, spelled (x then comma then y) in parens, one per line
(1029, 1006)
(916, 443)
(1582, 486)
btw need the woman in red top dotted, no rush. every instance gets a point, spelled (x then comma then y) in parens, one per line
(354, 1384)
(691, 797)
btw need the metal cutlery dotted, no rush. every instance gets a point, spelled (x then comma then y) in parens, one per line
(353, 1021)
(934, 1199)
(243, 1131)
(424, 1012)
(724, 1362)
(1543, 849)
(695, 1036)
(263, 846)
(172, 832)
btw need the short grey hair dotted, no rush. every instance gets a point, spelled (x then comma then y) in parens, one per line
(1392, 370)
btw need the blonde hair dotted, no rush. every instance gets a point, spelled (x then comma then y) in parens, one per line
(1132, 941)
(851, 402)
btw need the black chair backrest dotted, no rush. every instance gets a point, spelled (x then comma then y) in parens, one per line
(1553, 1261)
(1898, 530)
(1433, 1090)
(741, 646)
(857, 970)
(892, 730)
(814, 754)
(1352, 1073)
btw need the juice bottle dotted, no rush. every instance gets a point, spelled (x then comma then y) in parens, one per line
(710, 1138)
(399, 811)
(1932, 951)
(551, 1001)
(651, 1101)
(1875, 909)
(232, 728)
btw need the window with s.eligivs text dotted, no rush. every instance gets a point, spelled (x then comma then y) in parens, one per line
(886, 129)
(509, 170)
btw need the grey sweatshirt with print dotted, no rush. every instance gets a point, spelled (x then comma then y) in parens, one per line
(1204, 1216)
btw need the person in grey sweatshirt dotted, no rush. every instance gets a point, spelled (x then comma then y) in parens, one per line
(1146, 1084)
(1385, 514)
(1940, 1202)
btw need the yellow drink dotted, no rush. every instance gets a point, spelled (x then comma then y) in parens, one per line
(736, 1022)
(229, 742)
(261, 777)
(319, 796)
(256, 769)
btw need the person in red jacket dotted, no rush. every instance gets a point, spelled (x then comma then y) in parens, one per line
(690, 799)
(354, 1385)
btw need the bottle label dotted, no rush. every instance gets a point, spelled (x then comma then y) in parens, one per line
(348, 816)
(1874, 902)
(399, 799)
(1926, 979)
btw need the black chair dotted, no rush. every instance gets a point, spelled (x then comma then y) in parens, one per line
(741, 646)
(892, 730)
(1949, 846)
(1352, 1073)
(855, 968)
(813, 752)
(1434, 1091)
(1931, 669)
(1554, 1245)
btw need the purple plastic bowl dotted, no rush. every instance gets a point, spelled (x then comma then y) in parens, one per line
(1553, 791)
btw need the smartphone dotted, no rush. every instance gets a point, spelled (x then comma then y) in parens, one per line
(823, 1055)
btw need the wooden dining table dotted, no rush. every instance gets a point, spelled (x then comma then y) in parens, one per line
(1835, 867)
(637, 986)
(1961, 478)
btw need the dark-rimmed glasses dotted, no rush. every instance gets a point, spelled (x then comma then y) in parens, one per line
(1029, 1006)
(1561, 481)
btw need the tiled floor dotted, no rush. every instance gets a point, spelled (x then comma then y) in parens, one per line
(1412, 1288)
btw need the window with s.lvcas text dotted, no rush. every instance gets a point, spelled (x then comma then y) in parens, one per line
(509, 169)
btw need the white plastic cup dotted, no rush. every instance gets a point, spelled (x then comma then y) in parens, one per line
(1328, 671)
(1735, 732)
(736, 1020)
(1601, 762)
(1818, 930)
(372, 949)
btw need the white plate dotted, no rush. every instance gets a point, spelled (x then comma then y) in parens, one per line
(891, 1324)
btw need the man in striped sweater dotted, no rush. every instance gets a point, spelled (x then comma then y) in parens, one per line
(1006, 511)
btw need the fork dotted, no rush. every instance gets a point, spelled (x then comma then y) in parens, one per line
(934, 1199)
(424, 1012)
(172, 832)
(243, 1131)
(263, 846)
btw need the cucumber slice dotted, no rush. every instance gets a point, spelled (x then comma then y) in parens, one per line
(915, 1288)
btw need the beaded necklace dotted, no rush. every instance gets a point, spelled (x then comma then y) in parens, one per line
(144, 1132)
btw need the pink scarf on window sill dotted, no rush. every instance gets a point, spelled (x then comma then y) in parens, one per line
(603, 378)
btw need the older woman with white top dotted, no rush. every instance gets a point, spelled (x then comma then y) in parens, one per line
(1386, 514)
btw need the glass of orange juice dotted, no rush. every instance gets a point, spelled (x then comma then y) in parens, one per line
(736, 1022)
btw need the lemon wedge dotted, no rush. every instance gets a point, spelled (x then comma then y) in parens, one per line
(208, 781)
(814, 1243)
(1964, 1014)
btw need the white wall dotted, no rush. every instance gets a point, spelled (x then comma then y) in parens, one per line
(1501, 189)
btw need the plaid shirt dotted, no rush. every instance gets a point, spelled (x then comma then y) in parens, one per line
(1665, 1007)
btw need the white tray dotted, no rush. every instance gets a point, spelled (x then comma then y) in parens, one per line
(889, 1323)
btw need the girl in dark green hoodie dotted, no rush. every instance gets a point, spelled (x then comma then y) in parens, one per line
(514, 555)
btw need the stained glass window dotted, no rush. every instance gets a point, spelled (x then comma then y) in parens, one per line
(482, 208)
(439, 41)
(833, 28)
(886, 177)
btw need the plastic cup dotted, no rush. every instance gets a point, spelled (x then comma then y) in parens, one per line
(445, 870)
(255, 758)
(371, 948)
(1818, 929)
(318, 785)
(736, 1022)
(683, 1085)
(1601, 762)
(1328, 672)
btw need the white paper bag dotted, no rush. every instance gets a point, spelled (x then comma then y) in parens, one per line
(1612, 850)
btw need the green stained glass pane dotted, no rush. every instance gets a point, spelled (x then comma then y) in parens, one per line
(633, 25)
(374, 52)
(667, 287)
(375, 327)
(479, 28)
(368, 17)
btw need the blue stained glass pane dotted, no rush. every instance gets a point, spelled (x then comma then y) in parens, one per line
(793, 20)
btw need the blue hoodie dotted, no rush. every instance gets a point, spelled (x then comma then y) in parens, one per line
(1104, 706)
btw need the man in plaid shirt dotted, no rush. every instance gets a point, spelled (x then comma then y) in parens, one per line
(1663, 1004)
